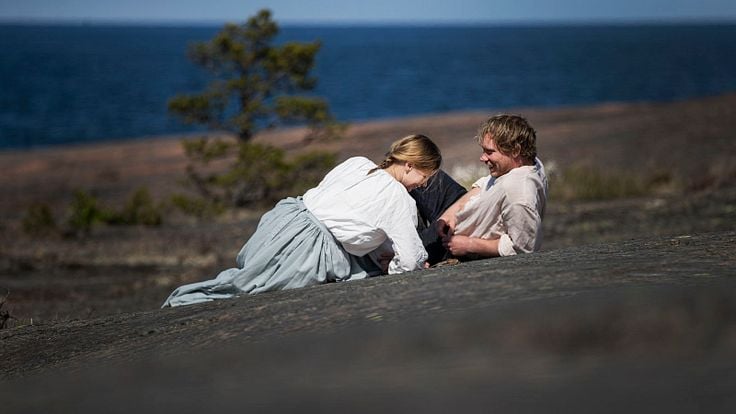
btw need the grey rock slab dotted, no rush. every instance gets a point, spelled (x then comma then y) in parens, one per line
(639, 325)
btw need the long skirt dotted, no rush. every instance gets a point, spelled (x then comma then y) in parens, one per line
(290, 249)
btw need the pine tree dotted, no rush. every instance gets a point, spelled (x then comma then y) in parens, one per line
(256, 86)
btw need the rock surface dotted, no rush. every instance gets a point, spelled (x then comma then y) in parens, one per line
(638, 325)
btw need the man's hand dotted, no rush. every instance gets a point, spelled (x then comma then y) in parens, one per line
(458, 245)
(464, 245)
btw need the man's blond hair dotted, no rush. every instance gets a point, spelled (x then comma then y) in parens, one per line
(512, 135)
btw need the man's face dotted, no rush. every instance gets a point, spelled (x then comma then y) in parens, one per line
(498, 163)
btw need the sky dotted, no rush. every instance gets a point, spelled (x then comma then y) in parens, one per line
(369, 11)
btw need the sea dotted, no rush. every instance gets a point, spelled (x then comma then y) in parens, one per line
(78, 83)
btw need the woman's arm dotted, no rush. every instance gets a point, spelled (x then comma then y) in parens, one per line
(399, 222)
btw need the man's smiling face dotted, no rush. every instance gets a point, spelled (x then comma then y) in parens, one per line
(497, 162)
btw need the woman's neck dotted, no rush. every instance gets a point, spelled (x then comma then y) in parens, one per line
(395, 170)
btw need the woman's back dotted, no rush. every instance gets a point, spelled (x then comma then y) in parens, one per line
(361, 210)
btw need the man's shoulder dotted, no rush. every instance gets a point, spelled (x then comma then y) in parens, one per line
(532, 174)
(483, 182)
(524, 184)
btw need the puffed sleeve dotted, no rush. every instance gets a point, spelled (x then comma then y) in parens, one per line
(400, 227)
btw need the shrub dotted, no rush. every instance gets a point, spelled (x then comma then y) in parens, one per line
(307, 170)
(39, 220)
(84, 212)
(257, 174)
(198, 207)
(140, 209)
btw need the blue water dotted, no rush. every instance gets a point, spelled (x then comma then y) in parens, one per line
(62, 84)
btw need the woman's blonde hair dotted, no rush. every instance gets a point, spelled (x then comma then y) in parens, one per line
(416, 149)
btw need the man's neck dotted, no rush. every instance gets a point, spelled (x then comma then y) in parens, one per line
(518, 162)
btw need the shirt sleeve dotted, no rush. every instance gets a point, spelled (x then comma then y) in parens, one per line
(409, 252)
(522, 225)
(482, 182)
(506, 246)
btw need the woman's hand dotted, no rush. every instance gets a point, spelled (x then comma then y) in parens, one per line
(445, 226)
(447, 221)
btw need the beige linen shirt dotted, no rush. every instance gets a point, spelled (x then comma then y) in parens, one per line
(509, 208)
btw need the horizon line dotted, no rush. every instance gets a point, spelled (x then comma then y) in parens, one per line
(375, 23)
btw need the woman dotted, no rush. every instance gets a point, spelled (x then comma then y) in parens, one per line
(358, 222)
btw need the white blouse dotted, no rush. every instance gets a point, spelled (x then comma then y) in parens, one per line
(366, 212)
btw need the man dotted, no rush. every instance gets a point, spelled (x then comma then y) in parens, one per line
(502, 214)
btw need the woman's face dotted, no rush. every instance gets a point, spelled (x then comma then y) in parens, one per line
(414, 177)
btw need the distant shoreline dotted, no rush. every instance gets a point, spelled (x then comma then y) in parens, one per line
(417, 118)
(297, 24)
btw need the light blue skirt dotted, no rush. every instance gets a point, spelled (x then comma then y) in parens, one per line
(290, 249)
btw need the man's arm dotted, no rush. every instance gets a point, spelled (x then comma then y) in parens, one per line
(464, 245)
(523, 224)
(446, 223)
